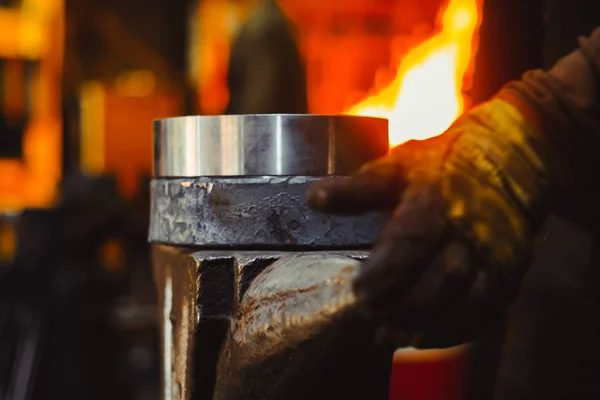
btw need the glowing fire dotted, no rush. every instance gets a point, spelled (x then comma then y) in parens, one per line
(427, 94)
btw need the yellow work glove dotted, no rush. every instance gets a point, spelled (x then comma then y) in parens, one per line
(468, 203)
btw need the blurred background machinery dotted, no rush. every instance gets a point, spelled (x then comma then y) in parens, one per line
(80, 85)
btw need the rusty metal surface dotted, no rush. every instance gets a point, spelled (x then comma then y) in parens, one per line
(284, 320)
(258, 211)
(176, 279)
(296, 335)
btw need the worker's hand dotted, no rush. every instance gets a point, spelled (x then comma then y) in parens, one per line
(466, 205)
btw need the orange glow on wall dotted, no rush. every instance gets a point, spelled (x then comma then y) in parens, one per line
(35, 31)
(116, 126)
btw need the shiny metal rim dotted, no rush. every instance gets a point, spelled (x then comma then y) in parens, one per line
(270, 144)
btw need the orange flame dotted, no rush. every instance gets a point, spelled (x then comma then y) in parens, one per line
(427, 94)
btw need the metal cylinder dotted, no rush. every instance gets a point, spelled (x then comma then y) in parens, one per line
(246, 177)
(258, 145)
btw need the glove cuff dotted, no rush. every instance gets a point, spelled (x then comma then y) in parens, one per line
(565, 101)
(501, 147)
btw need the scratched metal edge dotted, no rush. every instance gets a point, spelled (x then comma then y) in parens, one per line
(301, 304)
(251, 211)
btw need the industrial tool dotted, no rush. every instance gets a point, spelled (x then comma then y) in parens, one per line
(255, 287)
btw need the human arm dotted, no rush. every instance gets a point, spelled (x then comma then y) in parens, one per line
(468, 203)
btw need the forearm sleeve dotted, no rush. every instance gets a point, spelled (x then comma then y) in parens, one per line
(563, 104)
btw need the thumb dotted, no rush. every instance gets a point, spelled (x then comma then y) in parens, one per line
(376, 186)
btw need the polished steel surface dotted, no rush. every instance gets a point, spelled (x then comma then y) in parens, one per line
(273, 144)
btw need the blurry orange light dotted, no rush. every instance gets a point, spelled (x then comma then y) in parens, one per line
(427, 94)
